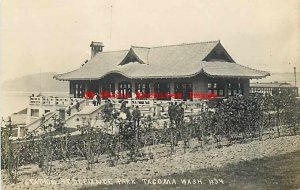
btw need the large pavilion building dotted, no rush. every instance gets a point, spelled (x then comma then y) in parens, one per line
(186, 71)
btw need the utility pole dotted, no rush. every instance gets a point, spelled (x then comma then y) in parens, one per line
(295, 75)
(40, 81)
(111, 9)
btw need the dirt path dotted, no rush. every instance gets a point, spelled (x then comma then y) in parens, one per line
(162, 165)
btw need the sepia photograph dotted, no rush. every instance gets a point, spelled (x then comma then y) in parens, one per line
(149, 94)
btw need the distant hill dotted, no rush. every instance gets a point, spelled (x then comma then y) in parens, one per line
(281, 77)
(31, 83)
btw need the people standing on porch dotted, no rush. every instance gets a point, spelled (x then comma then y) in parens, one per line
(128, 114)
(138, 94)
(136, 114)
(171, 112)
(123, 106)
(110, 105)
(177, 114)
(184, 92)
(95, 100)
(98, 99)
(181, 115)
(43, 119)
(69, 111)
(77, 105)
(108, 109)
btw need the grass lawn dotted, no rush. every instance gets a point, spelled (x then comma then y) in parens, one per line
(280, 172)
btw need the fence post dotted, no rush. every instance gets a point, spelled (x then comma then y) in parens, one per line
(151, 102)
(54, 103)
(158, 109)
(69, 101)
(41, 106)
(130, 102)
(19, 132)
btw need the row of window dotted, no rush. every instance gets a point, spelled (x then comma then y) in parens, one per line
(143, 89)
(79, 90)
(267, 90)
(184, 89)
(36, 112)
(219, 88)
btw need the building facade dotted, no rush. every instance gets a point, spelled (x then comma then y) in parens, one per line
(184, 71)
(273, 87)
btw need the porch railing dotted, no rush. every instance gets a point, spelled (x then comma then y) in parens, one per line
(52, 101)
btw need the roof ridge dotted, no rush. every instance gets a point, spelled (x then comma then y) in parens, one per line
(192, 43)
(273, 82)
(132, 46)
(114, 51)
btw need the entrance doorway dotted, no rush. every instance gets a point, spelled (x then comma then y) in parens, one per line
(162, 91)
(184, 90)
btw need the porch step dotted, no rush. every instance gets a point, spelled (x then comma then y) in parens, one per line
(34, 125)
(86, 111)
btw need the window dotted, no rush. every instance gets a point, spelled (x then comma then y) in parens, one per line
(236, 88)
(124, 90)
(184, 90)
(34, 112)
(240, 88)
(216, 88)
(79, 90)
(142, 90)
(162, 91)
(108, 89)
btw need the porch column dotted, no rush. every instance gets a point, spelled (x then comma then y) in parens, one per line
(133, 94)
(151, 89)
(86, 86)
(246, 86)
(76, 89)
(99, 87)
(226, 89)
(116, 87)
(172, 87)
(172, 90)
(54, 104)
(71, 89)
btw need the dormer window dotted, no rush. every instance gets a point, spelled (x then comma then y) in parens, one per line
(132, 56)
(218, 54)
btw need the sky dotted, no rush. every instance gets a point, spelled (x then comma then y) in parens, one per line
(54, 35)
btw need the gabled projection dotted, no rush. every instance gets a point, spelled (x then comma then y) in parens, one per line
(218, 54)
(132, 56)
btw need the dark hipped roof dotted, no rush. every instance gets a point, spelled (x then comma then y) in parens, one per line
(183, 60)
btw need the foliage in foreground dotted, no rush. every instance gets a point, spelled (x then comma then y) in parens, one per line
(235, 119)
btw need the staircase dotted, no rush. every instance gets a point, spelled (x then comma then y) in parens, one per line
(33, 126)
(88, 112)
